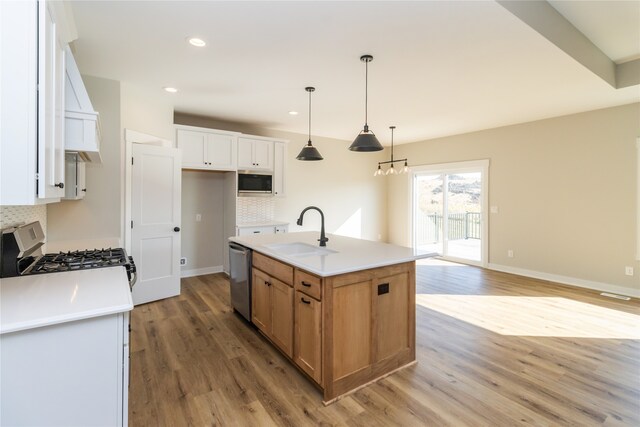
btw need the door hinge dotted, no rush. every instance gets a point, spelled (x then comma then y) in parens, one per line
(131, 223)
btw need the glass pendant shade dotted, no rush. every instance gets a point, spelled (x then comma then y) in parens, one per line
(391, 171)
(405, 168)
(378, 171)
(309, 152)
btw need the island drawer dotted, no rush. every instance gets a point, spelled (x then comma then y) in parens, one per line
(273, 268)
(308, 284)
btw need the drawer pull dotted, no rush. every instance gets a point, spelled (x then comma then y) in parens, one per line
(308, 285)
(305, 301)
(267, 283)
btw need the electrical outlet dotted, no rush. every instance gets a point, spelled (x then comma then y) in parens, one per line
(198, 217)
(510, 253)
(183, 261)
(628, 271)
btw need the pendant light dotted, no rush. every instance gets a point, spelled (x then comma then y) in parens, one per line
(392, 170)
(309, 152)
(366, 140)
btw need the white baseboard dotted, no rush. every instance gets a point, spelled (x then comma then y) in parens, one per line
(565, 280)
(201, 271)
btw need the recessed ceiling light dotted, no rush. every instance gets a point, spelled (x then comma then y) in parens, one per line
(293, 113)
(171, 89)
(194, 41)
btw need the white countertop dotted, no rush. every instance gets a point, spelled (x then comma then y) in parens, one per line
(351, 254)
(37, 300)
(261, 224)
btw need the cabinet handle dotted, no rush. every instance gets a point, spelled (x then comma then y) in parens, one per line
(308, 285)
(304, 301)
(84, 189)
(60, 185)
(267, 283)
(176, 229)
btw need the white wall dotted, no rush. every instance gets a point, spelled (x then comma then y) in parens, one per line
(565, 188)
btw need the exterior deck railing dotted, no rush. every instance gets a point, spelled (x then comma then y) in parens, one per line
(429, 227)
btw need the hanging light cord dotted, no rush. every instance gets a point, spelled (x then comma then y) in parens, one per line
(366, 93)
(309, 143)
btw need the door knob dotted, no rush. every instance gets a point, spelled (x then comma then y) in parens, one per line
(176, 229)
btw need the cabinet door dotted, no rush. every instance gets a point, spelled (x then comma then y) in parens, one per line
(51, 75)
(261, 301)
(282, 316)
(392, 315)
(221, 151)
(245, 154)
(278, 168)
(193, 146)
(75, 177)
(263, 154)
(81, 179)
(307, 337)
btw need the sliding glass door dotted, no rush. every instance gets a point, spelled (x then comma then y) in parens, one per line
(449, 202)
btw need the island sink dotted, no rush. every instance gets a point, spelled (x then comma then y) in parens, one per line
(298, 249)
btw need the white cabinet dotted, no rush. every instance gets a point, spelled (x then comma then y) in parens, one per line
(279, 152)
(207, 150)
(32, 46)
(264, 229)
(279, 229)
(75, 177)
(68, 374)
(255, 154)
(250, 231)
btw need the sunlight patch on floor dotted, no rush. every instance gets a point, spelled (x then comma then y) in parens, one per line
(439, 262)
(535, 316)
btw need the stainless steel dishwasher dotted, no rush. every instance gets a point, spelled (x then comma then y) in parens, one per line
(240, 279)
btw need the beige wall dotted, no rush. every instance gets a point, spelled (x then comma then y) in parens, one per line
(342, 185)
(202, 242)
(98, 215)
(565, 188)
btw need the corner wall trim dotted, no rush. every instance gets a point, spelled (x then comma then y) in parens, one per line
(565, 280)
(201, 271)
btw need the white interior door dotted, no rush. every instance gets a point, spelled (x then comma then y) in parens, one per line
(155, 215)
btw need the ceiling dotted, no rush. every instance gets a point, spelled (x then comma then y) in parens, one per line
(440, 67)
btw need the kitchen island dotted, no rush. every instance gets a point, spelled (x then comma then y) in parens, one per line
(344, 314)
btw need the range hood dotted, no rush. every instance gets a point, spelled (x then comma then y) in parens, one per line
(81, 123)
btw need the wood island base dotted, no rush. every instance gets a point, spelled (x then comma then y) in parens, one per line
(344, 331)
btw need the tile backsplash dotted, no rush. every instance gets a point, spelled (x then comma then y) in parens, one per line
(254, 209)
(11, 215)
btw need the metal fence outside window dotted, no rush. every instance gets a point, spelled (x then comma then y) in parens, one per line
(429, 227)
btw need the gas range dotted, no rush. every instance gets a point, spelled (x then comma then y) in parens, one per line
(21, 255)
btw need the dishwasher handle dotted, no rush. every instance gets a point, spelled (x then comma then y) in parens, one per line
(234, 247)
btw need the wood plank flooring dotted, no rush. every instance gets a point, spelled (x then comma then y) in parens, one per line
(493, 349)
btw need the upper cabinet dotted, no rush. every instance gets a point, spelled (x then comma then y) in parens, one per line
(75, 177)
(207, 150)
(33, 38)
(255, 153)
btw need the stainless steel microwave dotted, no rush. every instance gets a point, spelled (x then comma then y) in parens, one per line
(252, 183)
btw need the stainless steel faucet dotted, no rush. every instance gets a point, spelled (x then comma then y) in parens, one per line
(323, 239)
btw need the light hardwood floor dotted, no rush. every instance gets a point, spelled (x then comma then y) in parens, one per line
(493, 349)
